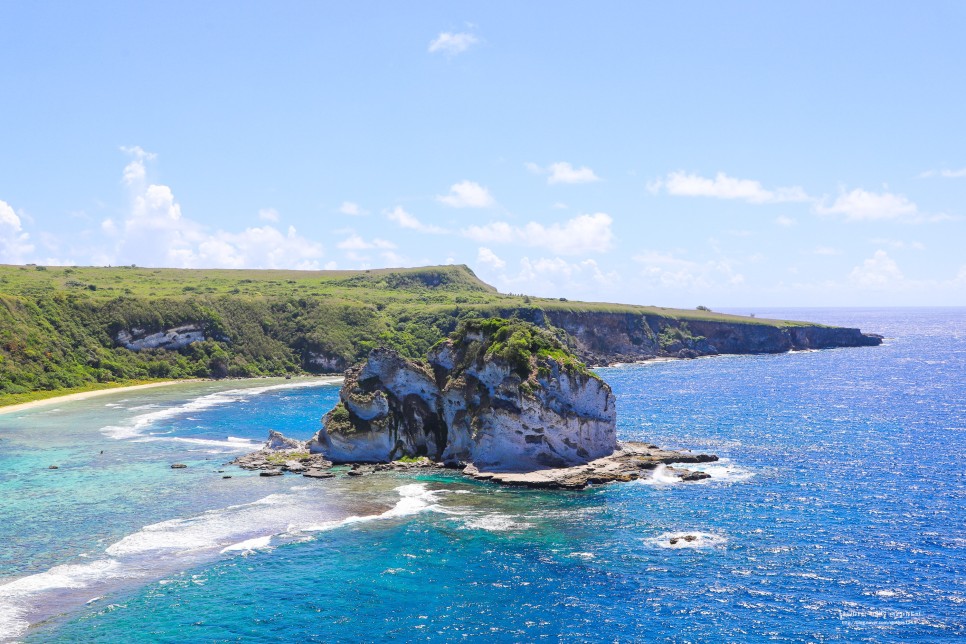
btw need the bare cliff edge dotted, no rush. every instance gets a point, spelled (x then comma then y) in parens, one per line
(500, 399)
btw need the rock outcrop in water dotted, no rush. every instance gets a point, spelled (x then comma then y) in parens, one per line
(501, 395)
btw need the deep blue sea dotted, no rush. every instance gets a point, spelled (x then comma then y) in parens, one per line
(837, 513)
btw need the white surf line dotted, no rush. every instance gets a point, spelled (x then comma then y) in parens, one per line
(687, 540)
(721, 471)
(134, 428)
(171, 546)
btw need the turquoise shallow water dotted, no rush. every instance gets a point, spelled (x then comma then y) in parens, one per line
(837, 514)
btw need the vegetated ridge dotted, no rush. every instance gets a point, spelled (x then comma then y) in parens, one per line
(84, 327)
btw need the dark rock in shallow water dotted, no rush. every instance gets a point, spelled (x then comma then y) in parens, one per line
(318, 474)
(270, 473)
(178, 466)
(691, 475)
(279, 442)
(688, 538)
(282, 454)
(53, 467)
(631, 461)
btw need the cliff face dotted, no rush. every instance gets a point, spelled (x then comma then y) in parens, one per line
(605, 337)
(502, 395)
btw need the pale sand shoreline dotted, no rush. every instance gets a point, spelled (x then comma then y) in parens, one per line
(84, 395)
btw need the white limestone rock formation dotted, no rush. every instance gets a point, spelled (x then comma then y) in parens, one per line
(502, 395)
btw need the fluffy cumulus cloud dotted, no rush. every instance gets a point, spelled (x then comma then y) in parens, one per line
(467, 194)
(156, 233)
(135, 171)
(581, 235)
(488, 258)
(668, 270)
(452, 44)
(263, 247)
(878, 272)
(861, 205)
(403, 219)
(555, 276)
(14, 242)
(682, 184)
(563, 172)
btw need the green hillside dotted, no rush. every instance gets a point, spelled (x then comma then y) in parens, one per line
(59, 326)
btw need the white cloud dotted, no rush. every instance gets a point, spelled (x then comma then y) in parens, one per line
(554, 276)
(8, 218)
(878, 272)
(861, 205)
(452, 44)
(268, 214)
(827, 250)
(14, 242)
(352, 209)
(155, 233)
(467, 194)
(722, 186)
(405, 220)
(580, 235)
(664, 269)
(355, 242)
(489, 258)
(563, 172)
(946, 174)
(264, 247)
(787, 222)
(135, 172)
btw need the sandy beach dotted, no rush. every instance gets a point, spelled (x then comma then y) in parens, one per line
(84, 395)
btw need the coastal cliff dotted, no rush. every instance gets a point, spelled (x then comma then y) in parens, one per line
(65, 328)
(502, 395)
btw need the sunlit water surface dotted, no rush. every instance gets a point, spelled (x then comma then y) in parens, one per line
(838, 512)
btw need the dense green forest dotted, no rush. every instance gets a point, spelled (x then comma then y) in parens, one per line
(59, 326)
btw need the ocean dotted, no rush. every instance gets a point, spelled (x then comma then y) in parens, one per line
(836, 513)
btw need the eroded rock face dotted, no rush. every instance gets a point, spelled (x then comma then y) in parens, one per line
(388, 410)
(504, 396)
(172, 339)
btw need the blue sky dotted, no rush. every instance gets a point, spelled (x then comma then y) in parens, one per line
(724, 154)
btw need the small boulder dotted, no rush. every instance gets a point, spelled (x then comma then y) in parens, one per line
(270, 473)
(278, 441)
(694, 475)
(318, 474)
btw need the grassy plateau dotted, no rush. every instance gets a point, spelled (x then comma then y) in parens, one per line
(59, 326)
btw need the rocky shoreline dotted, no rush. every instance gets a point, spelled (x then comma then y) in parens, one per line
(630, 462)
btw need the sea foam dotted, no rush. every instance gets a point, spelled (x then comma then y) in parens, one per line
(169, 546)
(136, 426)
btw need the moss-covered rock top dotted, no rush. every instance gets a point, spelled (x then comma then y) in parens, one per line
(518, 343)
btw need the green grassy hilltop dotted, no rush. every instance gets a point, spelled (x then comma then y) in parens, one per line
(59, 326)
